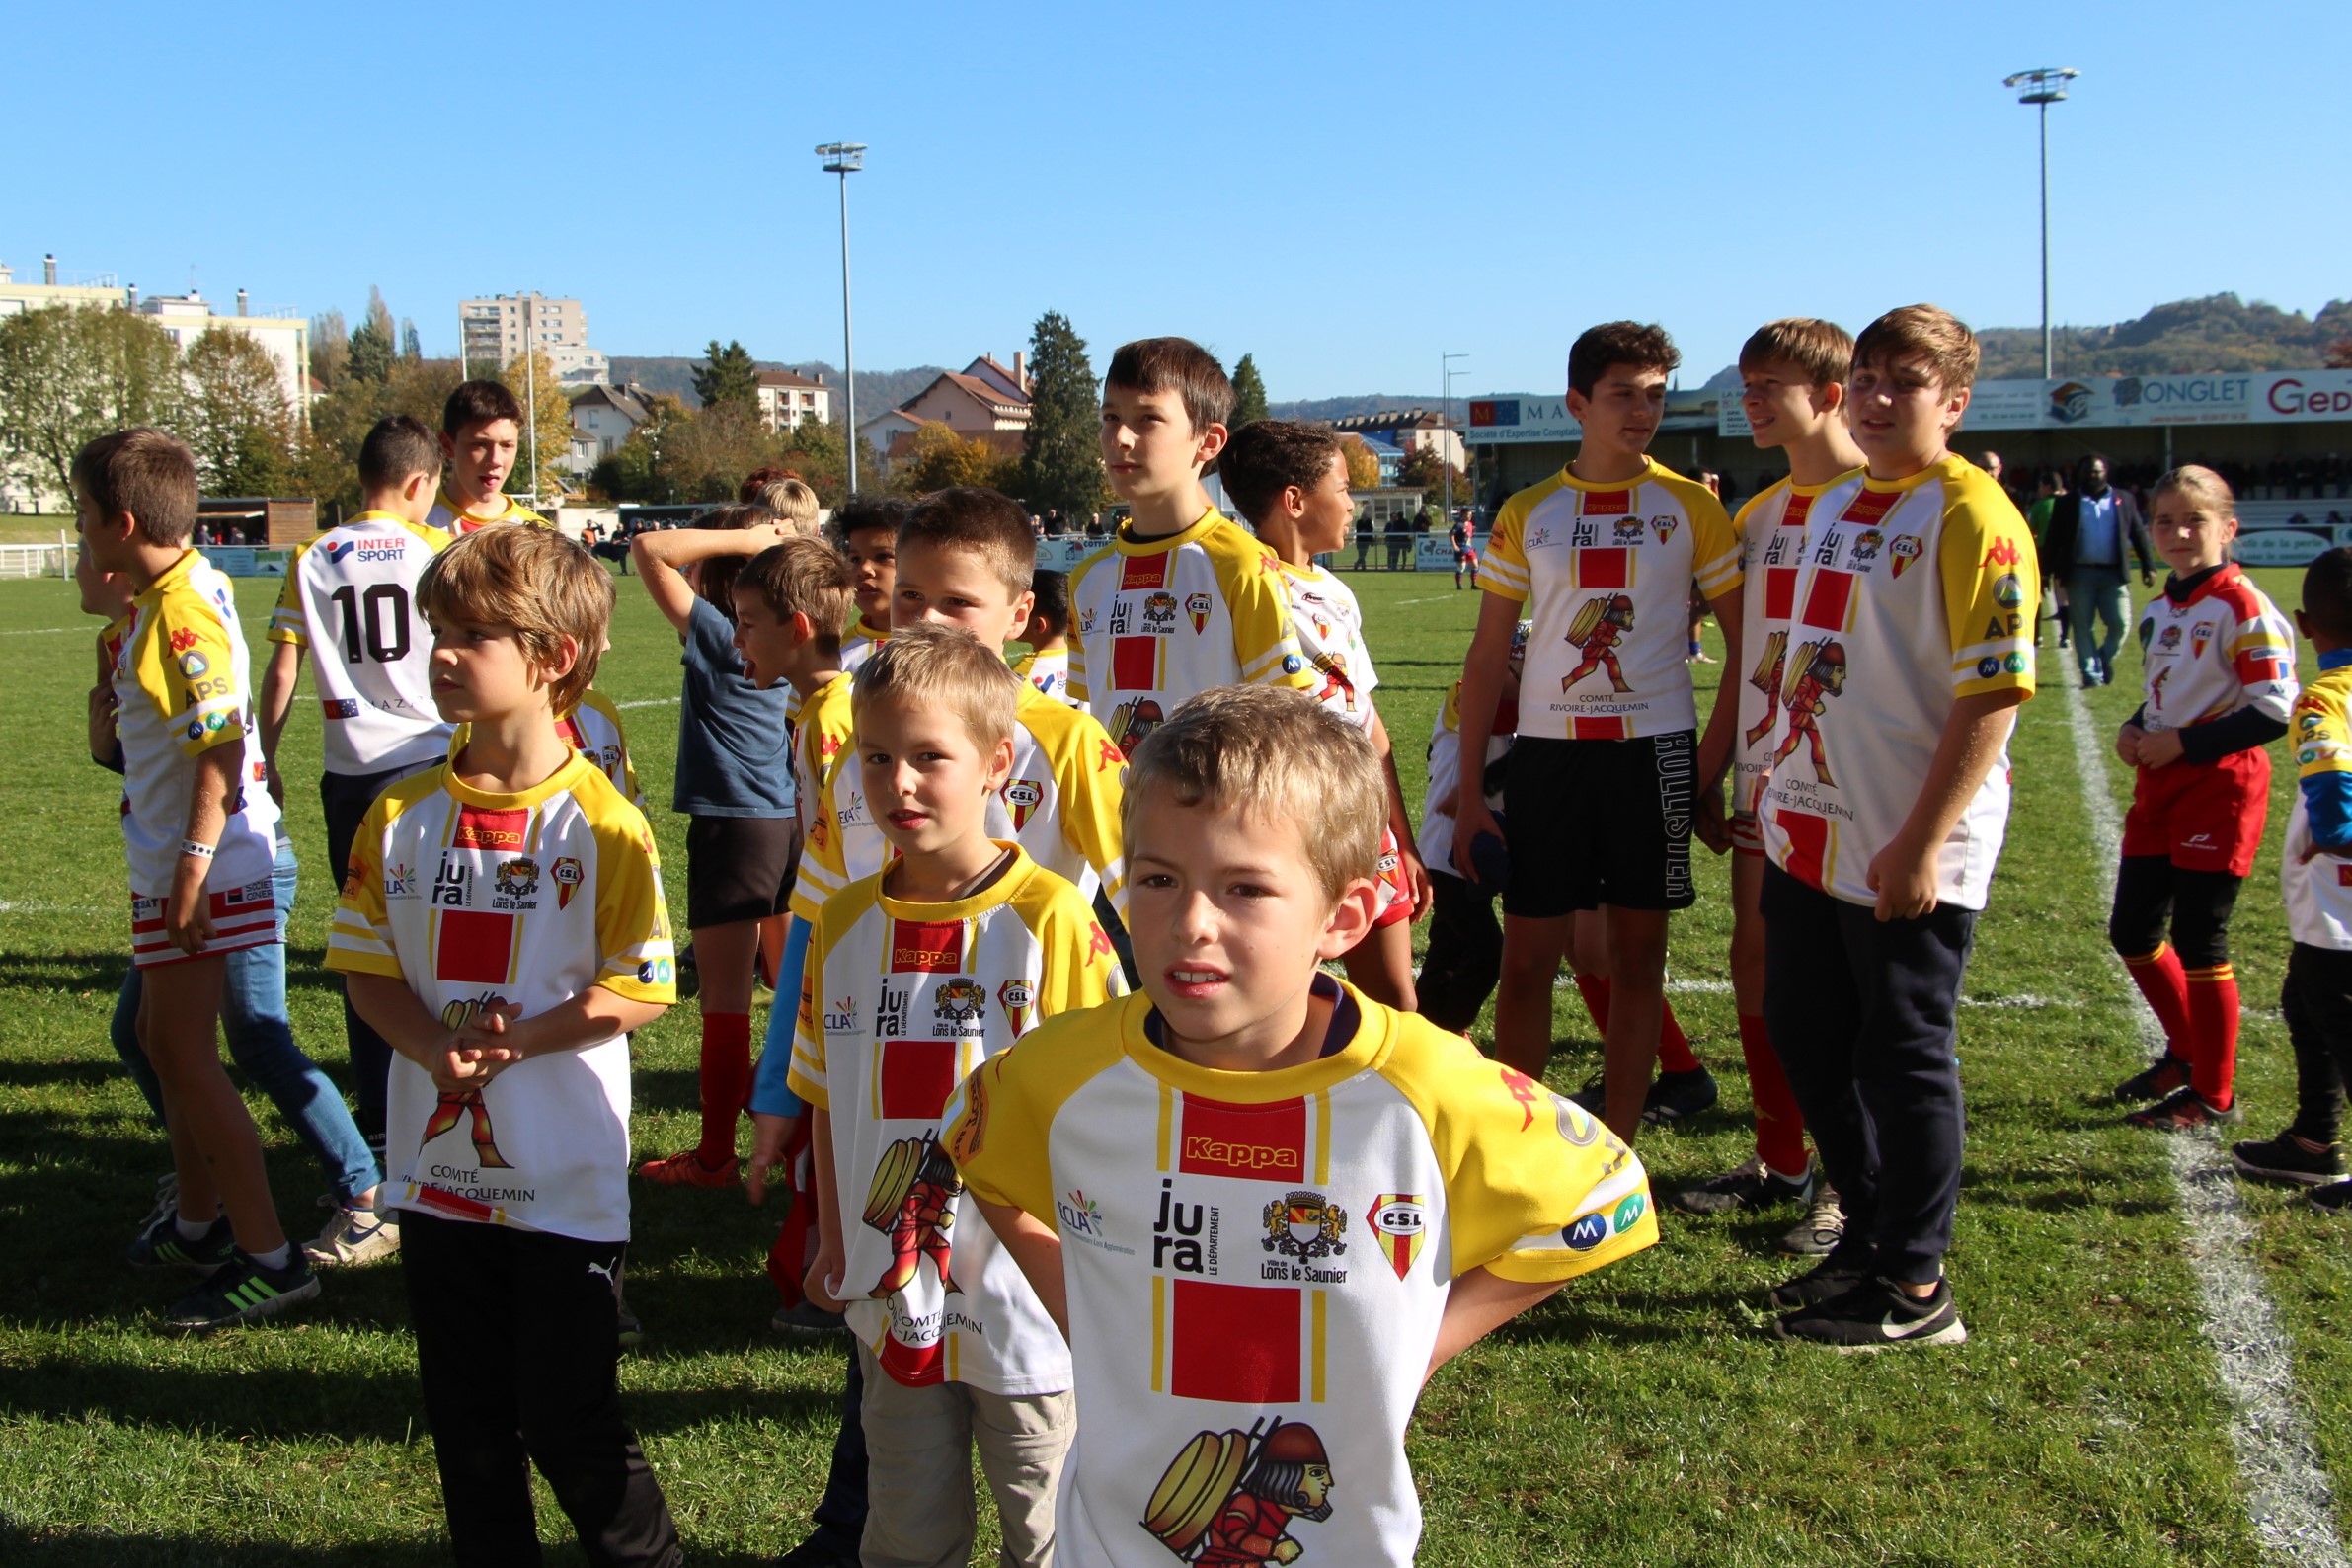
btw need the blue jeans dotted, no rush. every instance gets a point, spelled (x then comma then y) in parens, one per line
(261, 1044)
(2098, 593)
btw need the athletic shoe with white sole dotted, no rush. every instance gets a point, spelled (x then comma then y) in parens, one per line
(161, 1246)
(2287, 1158)
(1675, 1095)
(352, 1235)
(2158, 1078)
(1817, 1234)
(2184, 1112)
(1744, 1190)
(1876, 1314)
(1832, 1276)
(241, 1291)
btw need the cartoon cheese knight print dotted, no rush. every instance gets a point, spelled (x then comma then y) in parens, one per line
(1229, 1499)
(913, 1200)
(1601, 624)
(1818, 674)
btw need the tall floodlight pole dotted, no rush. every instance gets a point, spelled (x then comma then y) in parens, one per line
(846, 158)
(530, 387)
(2041, 88)
(1446, 376)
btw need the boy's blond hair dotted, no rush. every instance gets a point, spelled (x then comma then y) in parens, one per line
(803, 576)
(1277, 754)
(1922, 331)
(791, 501)
(541, 583)
(944, 666)
(1822, 350)
(981, 521)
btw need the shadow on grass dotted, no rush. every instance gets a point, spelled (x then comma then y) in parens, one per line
(105, 1549)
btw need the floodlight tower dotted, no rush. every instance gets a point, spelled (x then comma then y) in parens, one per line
(2041, 87)
(1446, 374)
(846, 158)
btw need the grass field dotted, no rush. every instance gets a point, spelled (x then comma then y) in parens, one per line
(1638, 1418)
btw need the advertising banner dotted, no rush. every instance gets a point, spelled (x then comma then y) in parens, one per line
(2271, 397)
(1065, 554)
(238, 560)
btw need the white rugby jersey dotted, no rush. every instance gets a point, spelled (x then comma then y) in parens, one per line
(1434, 839)
(355, 587)
(594, 731)
(1606, 573)
(2226, 648)
(1911, 595)
(859, 642)
(449, 516)
(1062, 801)
(1329, 627)
(184, 685)
(821, 743)
(1772, 531)
(1257, 1263)
(1049, 673)
(473, 900)
(1156, 622)
(898, 1001)
(2318, 890)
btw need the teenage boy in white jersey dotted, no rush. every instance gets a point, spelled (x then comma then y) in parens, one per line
(481, 433)
(1907, 648)
(1601, 789)
(1183, 599)
(354, 590)
(1290, 480)
(502, 924)
(1792, 375)
(1264, 1208)
(198, 830)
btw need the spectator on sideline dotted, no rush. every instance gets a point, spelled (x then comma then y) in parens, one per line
(2090, 530)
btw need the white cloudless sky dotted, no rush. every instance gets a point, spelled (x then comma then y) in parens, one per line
(1345, 191)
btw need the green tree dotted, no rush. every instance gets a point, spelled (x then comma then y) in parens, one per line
(237, 420)
(818, 451)
(411, 346)
(631, 472)
(1062, 456)
(728, 375)
(330, 346)
(538, 383)
(328, 463)
(1364, 468)
(706, 454)
(71, 373)
(369, 357)
(941, 459)
(1250, 392)
(1425, 467)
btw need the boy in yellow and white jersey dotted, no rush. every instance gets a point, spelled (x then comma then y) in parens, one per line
(1264, 1208)
(1601, 557)
(1908, 650)
(502, 926)
(354, 589)
(914, 979)
(1183, 599)
(481, 433)
(199, 833)
(1047, 631)
(1290, 480)
(594, 730)
(1792, 375)
(866, 532)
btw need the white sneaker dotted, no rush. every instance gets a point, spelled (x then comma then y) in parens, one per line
(352, 1235)
(1818, 1234)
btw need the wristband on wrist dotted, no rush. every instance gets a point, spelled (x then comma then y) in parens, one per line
(192, 851)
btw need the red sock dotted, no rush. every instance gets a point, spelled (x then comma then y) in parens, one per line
(2162, 980)
(2213, 1032)
(725, 1083)
(1780, 1125)
(788, 1260)
(1673, 1047)
(1595, 990)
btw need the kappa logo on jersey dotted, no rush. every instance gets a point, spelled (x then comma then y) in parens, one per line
(1021, 797)
(1138, 572)
(1523, 1089)
(568, 874)
(2001, 553)
(926, 946)
(1870, 506)
(1401, 1221)
(1265, 1141)
(1197, 607)
(482, 828)
(183, 639)
(1016, 997)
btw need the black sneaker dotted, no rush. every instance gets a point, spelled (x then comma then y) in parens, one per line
(1748, 1188)
(2184, 1112)
(1675, 1095)
(2158, 1078)
(807, 1320)
(2285, 1159)
(1876, 1315)
(689, 973)
(160, 1246)
(1832, 1276)
(241, 1291)
(2335, 1198)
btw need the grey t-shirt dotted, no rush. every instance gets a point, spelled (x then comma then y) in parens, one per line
(734, 748)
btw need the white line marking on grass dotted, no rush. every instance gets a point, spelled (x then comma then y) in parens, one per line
(649, 702)
(40, 906)
(2289, 1497)
(38, 630)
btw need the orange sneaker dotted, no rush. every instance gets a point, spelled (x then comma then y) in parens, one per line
(686, 1169)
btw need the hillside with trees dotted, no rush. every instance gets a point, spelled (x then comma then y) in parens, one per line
(673, 375)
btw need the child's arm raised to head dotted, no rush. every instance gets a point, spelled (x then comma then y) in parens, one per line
(1038, 1250)
(663, 555)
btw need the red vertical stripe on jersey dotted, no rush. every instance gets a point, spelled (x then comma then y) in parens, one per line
(1611, 729)
(926, 946)
(914, 1365)
(1869, 506)
(1238, 1344)
(1792, 516)
(1826, 601)
(1144, 571)
(1807, 846)
(1604, 569)
(476, 947)
(1135, 664)
(480, 829)
(1264, 1141)
(1606, 504)
(1780, 593)
(918, 1076)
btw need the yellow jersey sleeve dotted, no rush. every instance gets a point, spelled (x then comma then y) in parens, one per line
(1991, 586)
(289, 622)
(1714, 542)
(636, 956)
(1536, 1188)
(188, 669)
(807, 1075)
(1001, 1116)
(2323, 730)
(359, 942)
(1265, 644)
(1077, 968)
(1077, 638)
(824, 746)
(626, 775)
(1089, 779)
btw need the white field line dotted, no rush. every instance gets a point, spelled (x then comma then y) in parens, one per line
(2288, 1494)
(649, 702)
(38, 630)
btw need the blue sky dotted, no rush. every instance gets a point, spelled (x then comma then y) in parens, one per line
(1344, 191)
